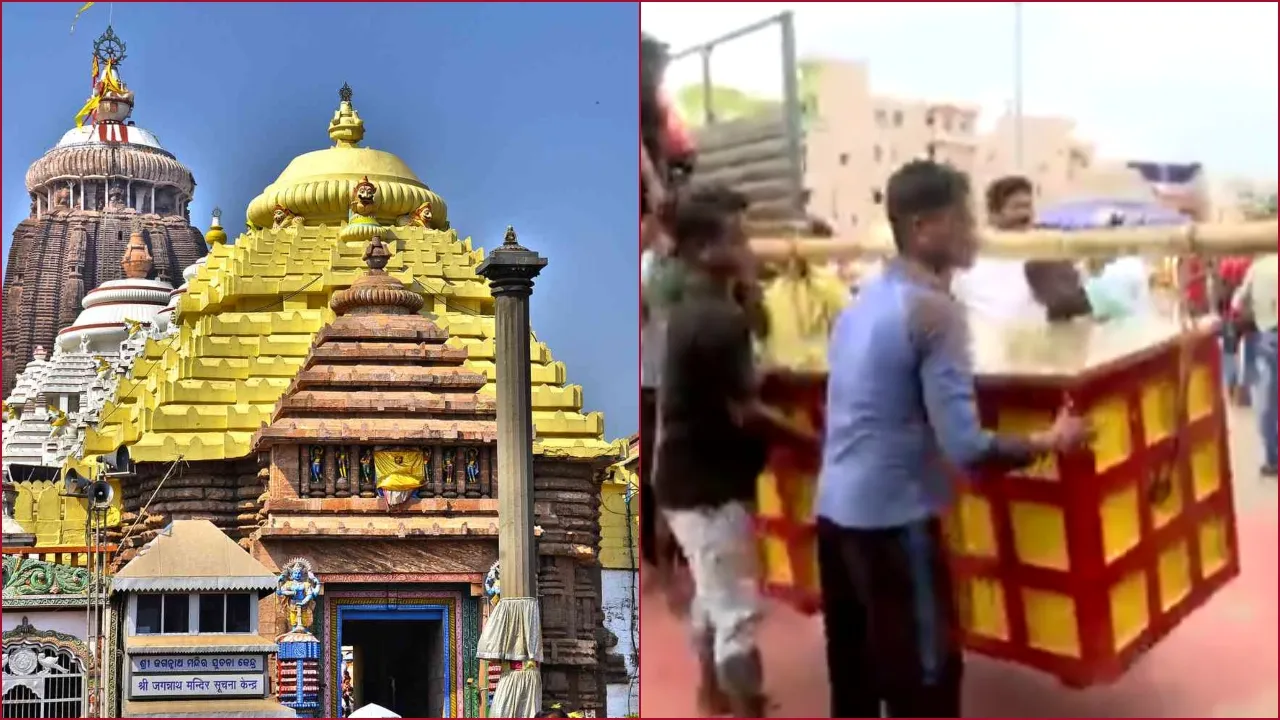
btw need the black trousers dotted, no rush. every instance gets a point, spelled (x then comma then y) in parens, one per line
(891, 625)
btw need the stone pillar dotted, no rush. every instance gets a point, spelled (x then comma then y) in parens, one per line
(510, 270)
(152, 209)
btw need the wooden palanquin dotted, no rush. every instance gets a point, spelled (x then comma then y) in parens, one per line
(1078, 565)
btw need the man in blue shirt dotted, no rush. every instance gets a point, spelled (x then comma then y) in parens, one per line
(901, 410)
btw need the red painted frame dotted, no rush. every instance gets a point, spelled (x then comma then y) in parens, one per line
(1078, 491)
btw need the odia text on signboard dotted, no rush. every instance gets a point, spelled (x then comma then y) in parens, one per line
(198, 685)
(196, 663)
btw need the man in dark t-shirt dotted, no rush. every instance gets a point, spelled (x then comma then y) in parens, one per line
(708, 456)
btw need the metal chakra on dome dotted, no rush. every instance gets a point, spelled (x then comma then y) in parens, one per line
(344, 93)
(109, 46)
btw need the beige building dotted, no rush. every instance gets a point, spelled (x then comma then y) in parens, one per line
(855, 139)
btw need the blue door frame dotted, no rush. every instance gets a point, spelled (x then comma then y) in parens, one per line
(401, 612)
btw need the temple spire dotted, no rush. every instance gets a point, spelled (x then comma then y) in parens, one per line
(376, 292)
(346, 129)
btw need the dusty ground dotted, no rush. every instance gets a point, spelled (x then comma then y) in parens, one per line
(1221, 662)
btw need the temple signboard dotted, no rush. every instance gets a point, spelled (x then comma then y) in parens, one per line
(188, 685)
(150, 664)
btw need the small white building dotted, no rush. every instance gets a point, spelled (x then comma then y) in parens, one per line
(189, 608)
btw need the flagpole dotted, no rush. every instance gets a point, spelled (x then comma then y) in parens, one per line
(1017, 87)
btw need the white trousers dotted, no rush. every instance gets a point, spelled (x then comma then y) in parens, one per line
(720, 546)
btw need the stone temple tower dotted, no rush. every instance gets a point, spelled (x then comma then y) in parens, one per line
(105, 179)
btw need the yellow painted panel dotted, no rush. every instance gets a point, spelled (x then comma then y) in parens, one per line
(41, 509)
(1129, 612)
(1202, 392)
(768, 501)
(1159, 414)
(1051, 622)
(1121, 524)
(618, 543)
(1213, 546)
(1206, 468)
(983, 609)
(1175, 575)
(1025, 422)
(1112, 443)
(1039, 535)
(777, 561)
(800, 497)
(971, 529)
(1163, 512)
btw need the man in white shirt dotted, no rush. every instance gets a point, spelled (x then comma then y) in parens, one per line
(1009, 290)
(1255, 299)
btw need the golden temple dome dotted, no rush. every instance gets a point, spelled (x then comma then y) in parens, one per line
(318, 186)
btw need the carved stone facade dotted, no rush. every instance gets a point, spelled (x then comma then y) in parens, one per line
(54, 259)
(225, 492)
(574, 641)
(99, 183)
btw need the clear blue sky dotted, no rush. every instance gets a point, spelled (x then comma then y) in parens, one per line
(521, 114)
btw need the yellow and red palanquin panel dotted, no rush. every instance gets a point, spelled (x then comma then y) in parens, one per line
(785, 497)
(1080, 564)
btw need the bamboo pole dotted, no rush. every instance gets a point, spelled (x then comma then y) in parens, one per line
(1235, 238)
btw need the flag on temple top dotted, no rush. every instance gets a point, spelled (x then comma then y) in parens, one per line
(80, 12)
(93, 77)
(109, 82)
(399, 469)
(88, 109)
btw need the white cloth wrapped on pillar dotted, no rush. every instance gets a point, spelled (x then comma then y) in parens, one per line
(513, 633)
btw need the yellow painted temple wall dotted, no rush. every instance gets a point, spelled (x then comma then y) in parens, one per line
(618, 547)
(56, 520)
(248, 320)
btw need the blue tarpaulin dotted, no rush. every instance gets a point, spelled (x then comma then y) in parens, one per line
(1087, 214)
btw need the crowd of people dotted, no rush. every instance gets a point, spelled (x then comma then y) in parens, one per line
(901, 407)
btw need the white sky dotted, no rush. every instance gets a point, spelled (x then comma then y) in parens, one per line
(1155, 81)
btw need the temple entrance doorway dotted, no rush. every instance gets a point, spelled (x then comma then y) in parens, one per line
(397, 659)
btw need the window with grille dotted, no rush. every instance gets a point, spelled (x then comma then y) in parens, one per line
(42, 681)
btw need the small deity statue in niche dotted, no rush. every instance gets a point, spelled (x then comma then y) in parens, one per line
(115, 197)
(426, 489)
(282, 217)
(366, 468)
(297, 587)
(473, 466)
(493, 583)
(420, 217)
(340, 457)
(317, 465)
(448, 465)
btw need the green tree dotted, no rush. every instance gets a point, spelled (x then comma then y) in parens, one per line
(727, 103)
